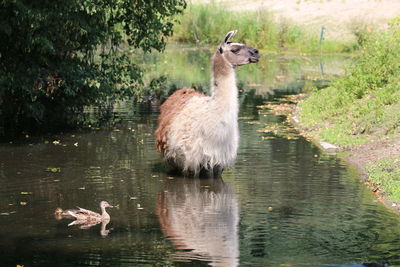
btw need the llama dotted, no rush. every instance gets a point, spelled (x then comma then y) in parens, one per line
(199, 133)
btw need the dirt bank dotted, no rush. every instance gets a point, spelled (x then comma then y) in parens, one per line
(361, 155)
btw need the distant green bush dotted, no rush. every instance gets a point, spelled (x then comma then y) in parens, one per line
(364, 102)
(58, 56)
(206, 24)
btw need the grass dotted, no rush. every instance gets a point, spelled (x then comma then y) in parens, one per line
(363, 106)
(385, 173)
(364, 103)
(207, 24)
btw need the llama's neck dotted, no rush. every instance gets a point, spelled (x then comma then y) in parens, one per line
(223, 84)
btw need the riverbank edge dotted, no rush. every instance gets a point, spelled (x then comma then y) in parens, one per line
(357, 157)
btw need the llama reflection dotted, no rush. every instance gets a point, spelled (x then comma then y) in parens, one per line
(201, 219)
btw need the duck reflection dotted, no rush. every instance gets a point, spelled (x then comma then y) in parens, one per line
(201, 218)
(85, 225)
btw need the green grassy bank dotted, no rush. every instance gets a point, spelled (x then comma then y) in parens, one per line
(363, 107)
(207, 24)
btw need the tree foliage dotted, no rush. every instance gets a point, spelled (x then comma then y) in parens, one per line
(58, 56)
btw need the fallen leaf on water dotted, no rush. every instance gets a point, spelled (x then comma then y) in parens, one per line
(254, 122)
(254, 84)
(4, 214)
(23, 203)
(56, 142)
(52, 169)
(26, 193)
(76, 144)
(246, 118)
(267, 137)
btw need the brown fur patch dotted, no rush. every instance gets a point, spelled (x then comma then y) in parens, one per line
(168, 110)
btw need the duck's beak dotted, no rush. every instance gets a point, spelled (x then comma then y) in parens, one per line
(109, 206)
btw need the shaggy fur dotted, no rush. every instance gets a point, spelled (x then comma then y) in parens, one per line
(168, 110)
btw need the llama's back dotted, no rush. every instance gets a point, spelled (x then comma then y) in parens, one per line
(169, 110)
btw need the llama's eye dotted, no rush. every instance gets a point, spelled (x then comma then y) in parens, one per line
(235, 50)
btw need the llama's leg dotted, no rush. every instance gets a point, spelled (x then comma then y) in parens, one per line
(206, 173)
(217, 171)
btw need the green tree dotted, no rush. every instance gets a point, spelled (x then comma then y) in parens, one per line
(58, 56)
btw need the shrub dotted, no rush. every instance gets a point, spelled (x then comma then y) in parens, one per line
(58, 56)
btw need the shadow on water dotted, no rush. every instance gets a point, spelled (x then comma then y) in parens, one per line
(284, 203)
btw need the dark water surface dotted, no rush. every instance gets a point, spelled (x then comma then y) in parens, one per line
(284, 203)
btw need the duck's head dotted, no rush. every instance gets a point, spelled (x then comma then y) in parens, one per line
(58, 211)
(104, 204)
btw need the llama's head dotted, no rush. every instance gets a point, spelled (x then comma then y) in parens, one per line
(236, 53)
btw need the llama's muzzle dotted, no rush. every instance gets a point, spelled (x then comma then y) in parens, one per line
(255, 56)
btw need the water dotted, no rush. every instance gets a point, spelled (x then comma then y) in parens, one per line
(284, 203)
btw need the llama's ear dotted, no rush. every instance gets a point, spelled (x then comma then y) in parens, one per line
(229, 36)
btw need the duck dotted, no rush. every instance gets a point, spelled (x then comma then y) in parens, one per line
(84, 216)
(59, 213)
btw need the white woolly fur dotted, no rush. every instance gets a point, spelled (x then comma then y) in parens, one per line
(205, 133)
